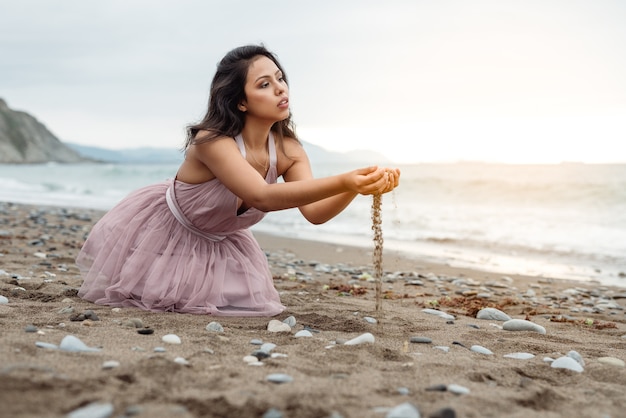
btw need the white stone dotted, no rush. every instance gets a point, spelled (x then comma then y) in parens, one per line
(277, 326)
(267, 347)
(480, 349)
(567, 363)
(440, 314)
(290, 320)
(523, 325)
(214, 327)
(181, 360)
(457, 389)
(612, 361)
(93, 410)
(71, 343)
(40, 255)
(303, 333)
(3, 300)
(520, 356)
(443, 348)
(171, 339)
(361, 339)
(250, 359)
(404, 410)
(492, 314)
(576, 356)
(110, 364)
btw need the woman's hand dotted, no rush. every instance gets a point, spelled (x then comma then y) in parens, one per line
(372, 180)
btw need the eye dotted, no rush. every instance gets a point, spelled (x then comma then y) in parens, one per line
(264, 85)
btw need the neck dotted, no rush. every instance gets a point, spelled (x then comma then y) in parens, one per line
(256, 134)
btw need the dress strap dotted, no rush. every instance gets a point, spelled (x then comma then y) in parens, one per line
(170, 198)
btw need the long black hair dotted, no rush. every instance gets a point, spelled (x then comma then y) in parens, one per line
(223, 118)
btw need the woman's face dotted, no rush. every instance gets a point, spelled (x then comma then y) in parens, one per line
(267, 93)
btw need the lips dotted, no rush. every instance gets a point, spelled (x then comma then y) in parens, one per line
(283, 103)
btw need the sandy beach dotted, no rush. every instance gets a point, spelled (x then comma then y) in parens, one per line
(415, 360)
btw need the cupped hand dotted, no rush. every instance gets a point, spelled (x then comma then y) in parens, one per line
(373, 180)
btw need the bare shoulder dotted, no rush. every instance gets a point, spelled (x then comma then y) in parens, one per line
(293, 148)
(202, 157)
(293, 162)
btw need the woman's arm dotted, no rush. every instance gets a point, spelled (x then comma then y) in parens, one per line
(224, 160)
(323, 210)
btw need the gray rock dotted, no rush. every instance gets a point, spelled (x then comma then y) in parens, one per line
(3, 300)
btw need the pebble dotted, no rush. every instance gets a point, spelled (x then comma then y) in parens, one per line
(277, 326)
(520, 356)
(3, 300)
(612, 361)
(480, 349)
(443, 413)
(303, 333)
(457, 389)
(73, 344)
(215, 327)
(273, 413)
(404, 410)
(566, 362)
(492, 314)
(420, 340)
(522, 325)
(250, 359)
(171, 339)
(30, 328)
(443, 348)
(290, 320)
(133, 323)
(110, 364)
(370, 320)
(440, 314)
(576, 356)
(181, 360)
(267, 347)
(49, 346)
(159, 349)
(93, 410)
(145, 331)
(279, 378)
(256, 341)
(361, 339)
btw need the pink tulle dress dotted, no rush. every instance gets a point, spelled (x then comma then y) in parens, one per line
(180, 247)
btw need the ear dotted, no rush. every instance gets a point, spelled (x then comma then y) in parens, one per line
(242, 106)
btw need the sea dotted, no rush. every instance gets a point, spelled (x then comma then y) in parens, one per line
(554, 221)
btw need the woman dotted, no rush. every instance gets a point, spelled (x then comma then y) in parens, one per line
(184, 245)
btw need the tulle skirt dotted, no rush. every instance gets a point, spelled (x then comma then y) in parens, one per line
(139, 255)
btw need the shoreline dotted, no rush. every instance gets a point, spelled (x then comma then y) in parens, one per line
(415, 355)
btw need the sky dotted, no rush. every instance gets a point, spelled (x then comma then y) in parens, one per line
(533, 81)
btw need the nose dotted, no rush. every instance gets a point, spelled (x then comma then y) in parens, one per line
(280, 89)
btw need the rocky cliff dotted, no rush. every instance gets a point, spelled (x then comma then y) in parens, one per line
(25, 140)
